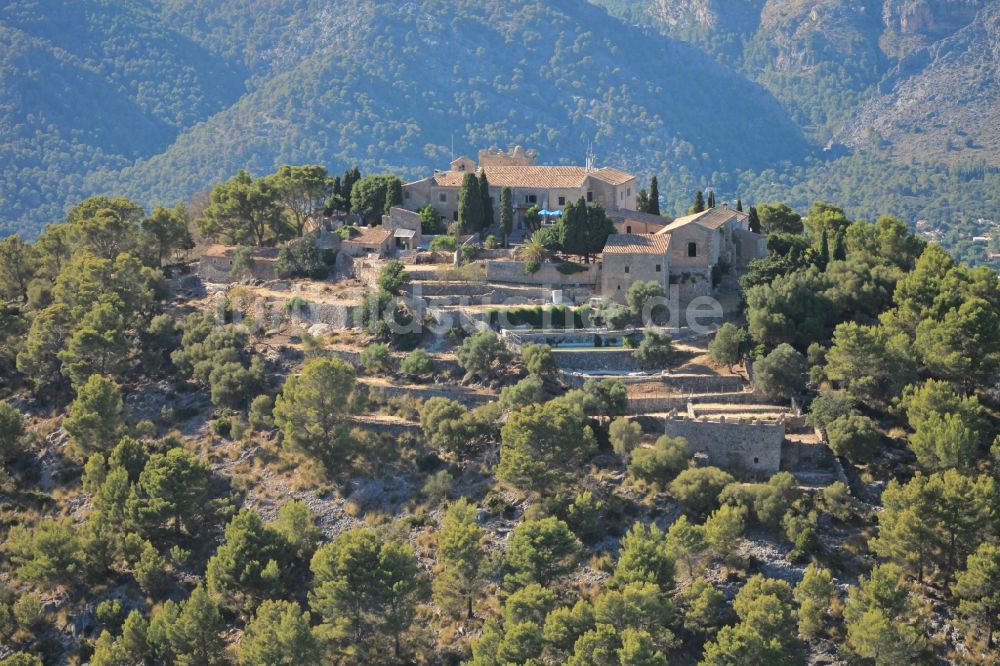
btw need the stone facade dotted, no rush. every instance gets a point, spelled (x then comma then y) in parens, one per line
(630, 258)
(216, 263)
(373, 241)
(751, 450)
(549, 187)
(634, 222)
(405, 227)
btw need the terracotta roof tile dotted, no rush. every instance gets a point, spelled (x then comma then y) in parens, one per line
(713, 218)
(637, 244)
(547, 177)
(371, 236)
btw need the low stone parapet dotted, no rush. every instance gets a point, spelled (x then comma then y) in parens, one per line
(547, 274)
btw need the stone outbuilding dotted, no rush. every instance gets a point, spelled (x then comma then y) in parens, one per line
(629, 258)
(216, 263)
(373, 241)
(715, 239)
(405, 227)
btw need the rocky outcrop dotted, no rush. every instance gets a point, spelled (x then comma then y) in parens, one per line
(941, 102)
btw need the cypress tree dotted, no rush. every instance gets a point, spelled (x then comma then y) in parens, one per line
(470, 205)
(653, 208)
(739, 205)
(506, 213)
(839, 248)
(573, 229)
(699, 203)
(711, 199)
(753, 223)
(824, 249)
(484, 192)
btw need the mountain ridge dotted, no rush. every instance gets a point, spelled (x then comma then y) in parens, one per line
(162, 98)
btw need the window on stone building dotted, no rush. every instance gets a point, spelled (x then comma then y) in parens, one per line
(443, 197)
(590, 196)
(692, 249)
(658, 268)
(562, 201)
(454, 215)
(626, 269)
(756, 460)
(628, 230)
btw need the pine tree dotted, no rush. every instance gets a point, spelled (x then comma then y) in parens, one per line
(194, 636)
(506, 213)
(484, 192)
(977, 589)
(470, 205)
(279, 634)
(461, 553)
(96, 417)
(699, 203)
(653, 207)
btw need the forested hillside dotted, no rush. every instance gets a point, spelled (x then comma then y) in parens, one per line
(197, 472)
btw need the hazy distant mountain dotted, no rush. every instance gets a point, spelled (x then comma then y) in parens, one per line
(157, 99)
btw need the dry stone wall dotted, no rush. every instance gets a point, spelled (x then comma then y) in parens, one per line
(751, 450)
(548, 274)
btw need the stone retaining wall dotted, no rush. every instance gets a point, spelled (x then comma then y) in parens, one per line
(682, 384)
(666, 403)
(392, 428)
(441, 365)
(467, 398)
(751, 450)
(548, 274)
(620, 360)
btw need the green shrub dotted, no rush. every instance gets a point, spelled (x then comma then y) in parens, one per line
(375, 358)
(533, 266)
(443, 244)
(109, 613)
(418, 363)
(222, 426)
(29, 611)
(698, 488)
(661, 462)
(570, 267)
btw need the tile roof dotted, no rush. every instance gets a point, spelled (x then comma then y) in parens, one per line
(713, 218)
(548, 177)
(636, 216)
(217, 250)
(227, 251)
(637, 244)
(371, 236)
